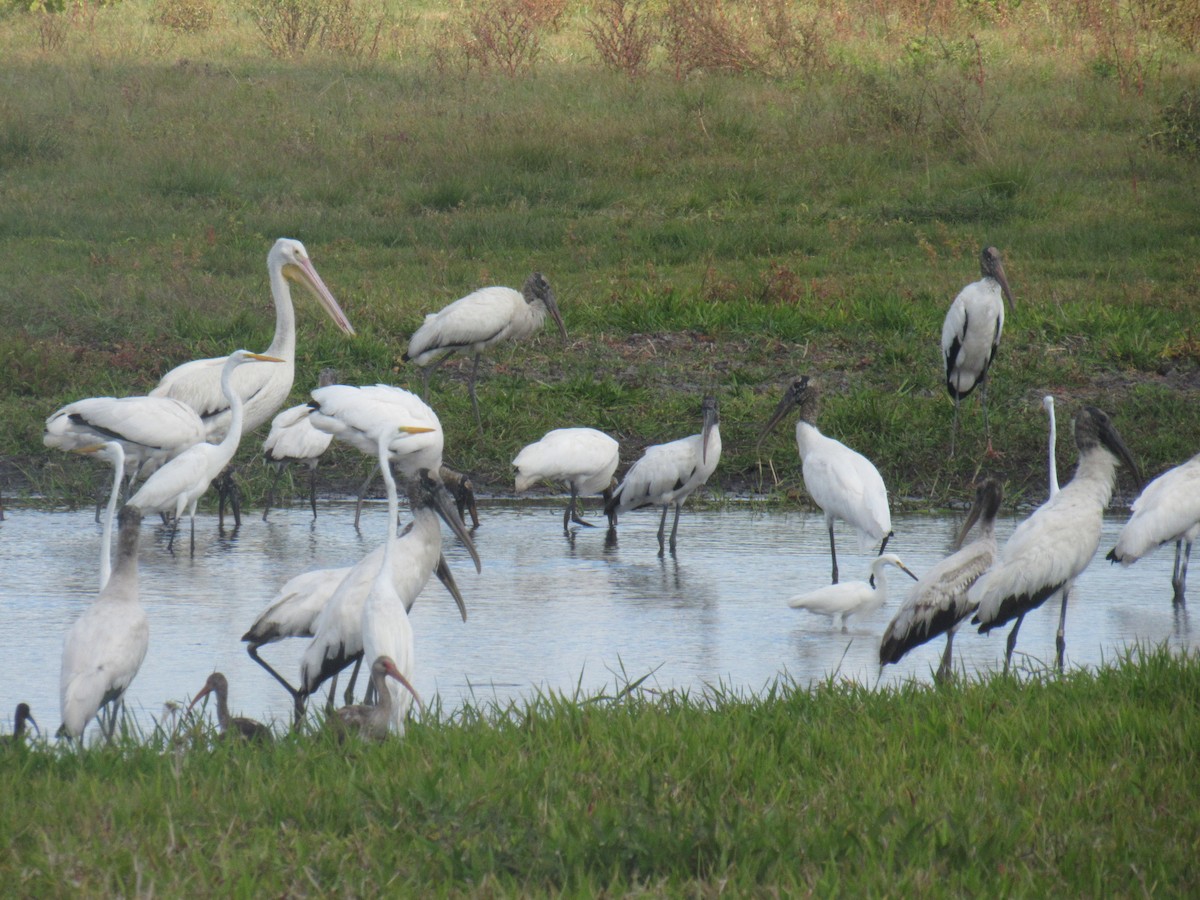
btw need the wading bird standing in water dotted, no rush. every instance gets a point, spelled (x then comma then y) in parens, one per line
(851, 598)
(584, 458)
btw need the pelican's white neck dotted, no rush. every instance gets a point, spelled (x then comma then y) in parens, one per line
(284, 342)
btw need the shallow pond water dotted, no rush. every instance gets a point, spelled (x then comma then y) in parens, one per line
(547, 612)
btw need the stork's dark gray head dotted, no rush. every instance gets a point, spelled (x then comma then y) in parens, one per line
(988, 496)
(991, 266)
(537, 290)
(1093, 428)
(802, 394)
(426, 491)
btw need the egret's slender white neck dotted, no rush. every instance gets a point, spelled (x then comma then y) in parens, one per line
(393, 501)
(1053, 463)
(284, 342)
(233, 435)
(110, 514)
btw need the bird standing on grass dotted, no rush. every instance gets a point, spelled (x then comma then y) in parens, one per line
(373, 722)
(971, 335)
(231, 726)
(22, 716)
(851, 598)
(584, 458)
(478, 321)
(842, 482)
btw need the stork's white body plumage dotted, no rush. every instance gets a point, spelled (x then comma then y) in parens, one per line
(1167, 510)
(582, 458)
(667, 474)
(357, 415)
(263, 387)
(294, 439)
(849, 598)
(1051, 548)
(104, 648)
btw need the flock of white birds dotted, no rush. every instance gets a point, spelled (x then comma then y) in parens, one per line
(174, 443)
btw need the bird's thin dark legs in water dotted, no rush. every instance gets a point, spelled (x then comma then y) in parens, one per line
(312, 490)
(887, 537)
(569, 515)
(362, 493)
(252, 649)
(471, 391)
(1060, 640)
(833, 553)
(945, 669)
(1011, 642)
(271, 493)
(1183, 552)
(987, 430)
(675, 526)
(662, 527)
(227, 489)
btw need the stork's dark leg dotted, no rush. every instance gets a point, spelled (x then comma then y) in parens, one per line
(946, 668)
(192, 519)
(227, 489)
(887, 537)
(569, 513)
(833, 553)
(987, 430)
(271, 490)
(1012, 642)
(353, 678)
(954, 428)
(429, 370)
(171, 539)
(1060, 640)
(312, 489)
(471, 391)
(576, 505)
(662, 525)
(252, 649)
(362, 493)
(1183, 553)
(675, 526)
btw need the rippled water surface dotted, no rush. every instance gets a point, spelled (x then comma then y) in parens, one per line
(546, 613)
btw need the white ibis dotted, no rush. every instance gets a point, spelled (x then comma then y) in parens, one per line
(150, 430)
(230, 726)
(373, 722)
(1051, 548)
(938, 602)
(842, 482)
(971, 335)
(667, 474)
(584, 458)
(104, 648)
(293, 439)
(480, 320)
(1168, 509)
(850, 598)
(113, 452)
(179, 484)
(22, 716)
(263, 388)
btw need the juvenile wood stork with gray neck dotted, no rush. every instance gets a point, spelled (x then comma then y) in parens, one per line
(971, 335)
(23, 715)
(479, 321)
(1168, 509)
(667, 474)
(1053, 546)
(230, 726)
(937, 603)
(842, 482)
(584, 458)
(851, 598)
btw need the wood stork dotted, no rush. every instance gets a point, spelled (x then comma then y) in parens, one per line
(179, 483)
(150, 430)
(480, 320)
(584, 458)
(293, 438)
(104, 648)
(113, 452)
(263, 388)
(938, 602)
(667, 474)
(22, 716)
(373, 722)
(460, 485)
(842, 482)
(230, 726)
(850, 598)
(1168, 509)
(971, 335)
(1051, 548)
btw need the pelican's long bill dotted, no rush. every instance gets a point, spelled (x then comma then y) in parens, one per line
(303, 272)
(791, 398)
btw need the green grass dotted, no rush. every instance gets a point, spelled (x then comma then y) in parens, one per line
(715, 233)
(1072, 785)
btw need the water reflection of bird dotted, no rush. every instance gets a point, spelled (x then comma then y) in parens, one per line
(1051, 548)
(971, 335)
(584, 458)
(849, 598)
(293, 439)
(230, 726)
(667, 474)
(842, 482)
(478, 321)
(179, 484)
(373, 722)
(1168, 509)
(938, 601)
(104, 648)
(22, 716)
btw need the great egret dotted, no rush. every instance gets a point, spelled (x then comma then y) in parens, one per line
(113, 452)
(584, 458)
(293, 438)
(104, 648)
(1051, 548)
(851, 598)
(938, 601)
(971, 334)
(373, 722)
(179, 484)
(667, 474)
(1168, 509)
(235, 726)
(842, 482)
(480, 320)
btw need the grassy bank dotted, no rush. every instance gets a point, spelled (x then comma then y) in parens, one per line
(1070, 786)
(716, 232)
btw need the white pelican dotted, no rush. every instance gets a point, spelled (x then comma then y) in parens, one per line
(1052, 547)
(230, 726)
(667, 474)
(850, 598)
(179, 484)
(113, 452)
(104, 648)
(294, 439)
(842, 482)
(584, 458)
(150, 430)
(373, 721)
(938, 601)
(473, 323)
(971, 334)
(1168, 509)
